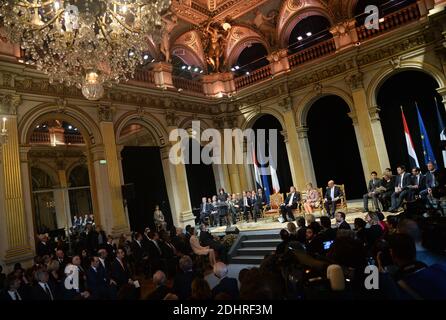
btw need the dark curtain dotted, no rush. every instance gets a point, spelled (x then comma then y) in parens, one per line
(142, 167)
(333, 145)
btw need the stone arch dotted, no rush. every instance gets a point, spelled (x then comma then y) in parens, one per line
(305, 104)
(252, 116)
(240, 38)
(386, 72)
(47, 169)
(72, 114)
(188, 47)
(149, 122)
(186, 123)
(293, 11)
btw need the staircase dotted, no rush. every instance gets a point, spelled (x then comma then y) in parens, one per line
(251, 247)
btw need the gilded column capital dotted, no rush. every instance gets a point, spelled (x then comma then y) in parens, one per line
(9, 103)
(286, 104)
(97, 152)
(284, 133)
(354, 117)
(355, 81)
(24, 153)
(105, 113)
(374, 113)
(171, 118)
(302, 132)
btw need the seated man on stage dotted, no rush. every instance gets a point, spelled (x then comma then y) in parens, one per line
(402, 191)
(431, 182)
(333, 196)
(387, 188)
(205, 210)
(214, 211)
(372, 192)
(290, 204)
(417, 183)
(245, 205)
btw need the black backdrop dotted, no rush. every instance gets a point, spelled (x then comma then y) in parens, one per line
(404, 89)
(283, 168)
(333, 146)
(142, 166)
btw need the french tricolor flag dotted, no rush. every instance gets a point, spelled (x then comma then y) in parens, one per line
(410, 148)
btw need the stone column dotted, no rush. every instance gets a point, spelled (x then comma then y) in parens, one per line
(15, 244)
(362, 154)
(177, 189)
(292, 144)
(119, 148)
(27, 192)
(378, 135)
(442, 92)
(119, 220)
(305, 152)
(247, 169)
(62, 199)
(368, 138)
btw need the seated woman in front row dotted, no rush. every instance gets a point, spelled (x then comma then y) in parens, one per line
(312, 200)
(199, 250)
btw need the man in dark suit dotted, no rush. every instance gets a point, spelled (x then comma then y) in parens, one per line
(417, 183)
(431, 182)
(182, 282)
(205, 210)
(291, 203)
(44, 247)
(372, 192)
(402, 191)
(159, 280)
(387, 188)
(340, 221)
(120, 273)
(43, 289)
(333, 196)
(12, 291)
(154, 252)
(245, 205)
(138, 252)
(97, 280)
(257, 204)
(226, 285)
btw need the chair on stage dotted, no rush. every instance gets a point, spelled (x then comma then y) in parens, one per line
(275, 201)
(320, 206)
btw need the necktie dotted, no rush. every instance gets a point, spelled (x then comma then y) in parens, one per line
(16, 296)
(48, 292)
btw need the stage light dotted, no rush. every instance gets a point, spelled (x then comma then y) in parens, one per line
(196, 69)
(188, 68)
(309, 34)
(237, 67)
(381, 20)
(247, 73)
(146, 56)
(232, 69)
(70, 127)
(201, 71)
(299, 38)
(183, 67)
(153, 60)
(37, 127)
(131, 53)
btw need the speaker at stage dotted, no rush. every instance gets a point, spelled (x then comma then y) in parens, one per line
(232, 230)
(128, 191)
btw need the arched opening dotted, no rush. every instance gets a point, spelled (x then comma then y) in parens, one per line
(385, 7)
(200, 177)
(333, 146)
(59, 174)
(269, 122)
(251, 58)
(185, 70)
(308, 32)
(145, 186)
(405, 89)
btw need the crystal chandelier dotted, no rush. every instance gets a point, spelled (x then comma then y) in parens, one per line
(86, 43)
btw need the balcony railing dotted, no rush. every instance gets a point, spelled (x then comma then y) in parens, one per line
(255, 76)
(187, 85)
(318, 50)
(44, 138)
(40, 137)
(144, 76)
(73, 139)
(391, 21)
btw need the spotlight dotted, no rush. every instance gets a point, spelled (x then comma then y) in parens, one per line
(183, 67)
(381, 20)
(196, 69)
(153, 60)
(237, 67)
(188, 68)
(232, 69)
(37, 127)
(309, 34)
(201, 71)
(146, 56)
(70, 127)
(247, 73)
(131, 53)
(299, 38)
(75, 129)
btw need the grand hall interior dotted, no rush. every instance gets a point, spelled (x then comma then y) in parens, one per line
(214, 150)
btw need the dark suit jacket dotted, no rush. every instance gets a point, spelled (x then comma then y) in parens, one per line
(182, 284)
(296, 199)
(344, 225)
(37, 292)
(4, 295)
(431, 179)
(120, 275)
(373, 184)
(137, 250)
(421, 183)
(406, 180)
(207, 208)
(153, 252)
(337, 193)
(97, 282)
(242, 204)
(227, 285)
(159, 293)
(389, 185)
(43, 249)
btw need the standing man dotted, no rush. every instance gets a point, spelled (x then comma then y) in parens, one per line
(402, 183)
(290, 204)
(333, 196)
(372, 192)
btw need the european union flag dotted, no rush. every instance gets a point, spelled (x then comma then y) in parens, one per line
(427, 148)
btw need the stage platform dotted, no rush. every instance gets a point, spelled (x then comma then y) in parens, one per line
(354, 210)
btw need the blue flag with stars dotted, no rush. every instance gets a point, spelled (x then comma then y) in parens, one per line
(427, 148)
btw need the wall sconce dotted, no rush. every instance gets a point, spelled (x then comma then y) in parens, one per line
(3, 133)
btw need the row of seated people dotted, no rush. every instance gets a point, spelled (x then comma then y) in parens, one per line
(389, 193)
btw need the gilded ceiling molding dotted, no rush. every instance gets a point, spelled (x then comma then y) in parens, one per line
(189, 48)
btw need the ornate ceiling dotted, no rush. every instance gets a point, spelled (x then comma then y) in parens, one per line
(235, 24)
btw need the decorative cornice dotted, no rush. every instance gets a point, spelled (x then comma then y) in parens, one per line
(105, 113)
(355, 81)
(9, 103)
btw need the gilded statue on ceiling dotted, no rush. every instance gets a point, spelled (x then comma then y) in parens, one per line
(266, 25)
(215, 39)
(170, 21)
